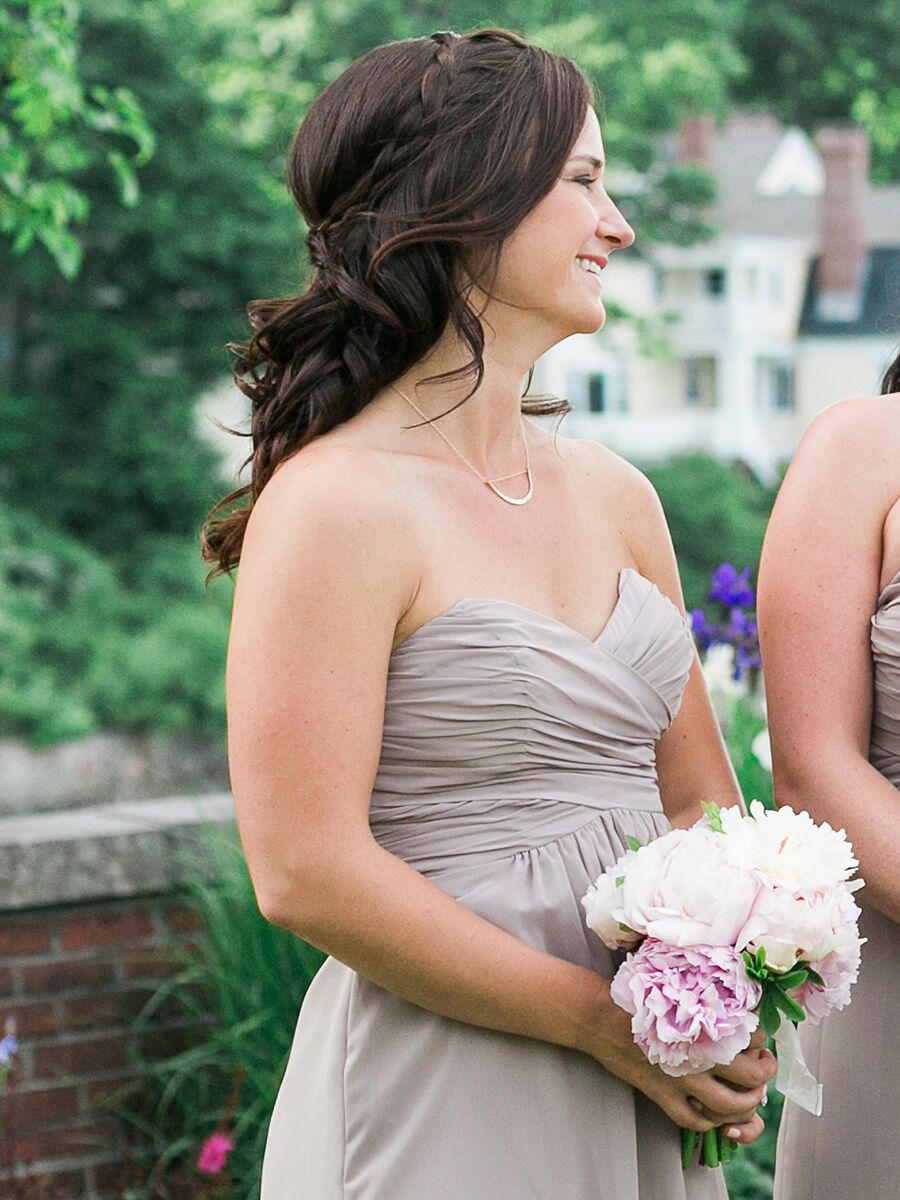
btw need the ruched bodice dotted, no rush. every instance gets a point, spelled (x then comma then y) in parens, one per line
(517, 758)
(503, 725)
(884, 749)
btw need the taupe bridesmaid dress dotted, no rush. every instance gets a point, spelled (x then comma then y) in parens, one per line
(517, 755)
(850, 1152)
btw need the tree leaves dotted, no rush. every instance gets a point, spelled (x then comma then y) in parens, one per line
(51, 128)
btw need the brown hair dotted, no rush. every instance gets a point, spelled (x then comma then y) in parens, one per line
(419, 152)
(891, 381)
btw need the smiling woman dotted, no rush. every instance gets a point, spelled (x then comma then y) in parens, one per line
(450, 703)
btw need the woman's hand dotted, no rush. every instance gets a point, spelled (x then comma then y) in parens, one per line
(749, 1072)
(728, 1095)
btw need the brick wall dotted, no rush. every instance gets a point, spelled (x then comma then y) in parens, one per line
(75, 977)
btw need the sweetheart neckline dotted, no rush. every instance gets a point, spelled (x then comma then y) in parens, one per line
(535, 614)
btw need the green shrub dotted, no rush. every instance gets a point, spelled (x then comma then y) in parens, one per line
(86, 646)
(716, 513)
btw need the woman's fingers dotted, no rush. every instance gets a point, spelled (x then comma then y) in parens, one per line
(723, 1103)
(747, 1131)
(749, 1069)
(744, 1130)
(758, 1040)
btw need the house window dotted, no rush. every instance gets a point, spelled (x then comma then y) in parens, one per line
(597, 393)
(782, 387)
(714, 282)
(700, 382)
(692, 381)
(776, 385)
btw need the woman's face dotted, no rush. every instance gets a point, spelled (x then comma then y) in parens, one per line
(551, 263)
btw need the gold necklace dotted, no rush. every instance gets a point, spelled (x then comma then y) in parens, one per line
(497, 478)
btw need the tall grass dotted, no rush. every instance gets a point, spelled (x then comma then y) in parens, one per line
(237, 991)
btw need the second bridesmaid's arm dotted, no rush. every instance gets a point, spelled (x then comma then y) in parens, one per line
(819, 583)
(691, 760)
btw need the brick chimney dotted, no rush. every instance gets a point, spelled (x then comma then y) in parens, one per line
(845, 156)
(694, 142)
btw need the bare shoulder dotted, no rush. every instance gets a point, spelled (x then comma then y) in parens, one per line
(868, 425)
(618, 481)
(335, 484)
(337, 505)
(629, 502)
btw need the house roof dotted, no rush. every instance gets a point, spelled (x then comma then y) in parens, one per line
(879, 313)
(745, 152)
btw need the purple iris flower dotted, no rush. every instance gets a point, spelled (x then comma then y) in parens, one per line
(730, 587)
(740, 625)
(736, 624)
(746, 658)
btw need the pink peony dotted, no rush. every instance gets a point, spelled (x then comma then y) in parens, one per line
(692, 1006)
(213, 1153)
(839, 972)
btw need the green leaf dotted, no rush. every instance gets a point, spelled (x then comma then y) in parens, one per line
(632, 843)
(712, 812)
(789, 1007)
(769, 1016)
(129, 191)
(65, 249)
(793, 979)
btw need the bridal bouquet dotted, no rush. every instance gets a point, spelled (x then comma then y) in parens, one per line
(740, 921)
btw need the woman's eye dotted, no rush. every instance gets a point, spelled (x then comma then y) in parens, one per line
(585, 180)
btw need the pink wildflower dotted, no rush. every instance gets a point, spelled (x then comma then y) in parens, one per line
(214, 1152)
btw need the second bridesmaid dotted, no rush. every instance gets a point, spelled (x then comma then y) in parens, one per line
(829, 621)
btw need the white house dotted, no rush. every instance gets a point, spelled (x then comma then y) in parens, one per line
(793, 304)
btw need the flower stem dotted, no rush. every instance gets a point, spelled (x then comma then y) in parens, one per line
(711, 1148)
(724, 1145)
(688, 1146)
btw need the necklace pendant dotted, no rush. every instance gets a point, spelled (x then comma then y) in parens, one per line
(512, 499)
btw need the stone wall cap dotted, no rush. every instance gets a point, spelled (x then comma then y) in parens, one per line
(125, 848)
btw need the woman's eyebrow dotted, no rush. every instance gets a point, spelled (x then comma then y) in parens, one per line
(588, 158)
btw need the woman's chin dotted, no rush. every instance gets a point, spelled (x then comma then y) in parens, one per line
(591, 322)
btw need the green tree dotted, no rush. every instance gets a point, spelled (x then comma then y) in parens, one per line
(97, 422)
(817, 61)
(52, 126)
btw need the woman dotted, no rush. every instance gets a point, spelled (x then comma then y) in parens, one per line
(829, 621)
(445, 692)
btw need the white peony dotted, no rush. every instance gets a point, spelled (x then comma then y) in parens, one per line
(807, 926)
(603, 907)
(686, 889)
(789, 849)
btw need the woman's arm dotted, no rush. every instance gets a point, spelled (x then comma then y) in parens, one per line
(818, 587)
(691, 760)
(327, 570)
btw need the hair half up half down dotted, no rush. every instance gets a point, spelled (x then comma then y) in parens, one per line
(419, 159)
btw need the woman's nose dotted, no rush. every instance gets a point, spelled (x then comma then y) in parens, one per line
(613, 228)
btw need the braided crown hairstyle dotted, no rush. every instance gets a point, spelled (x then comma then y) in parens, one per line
(419, 152)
